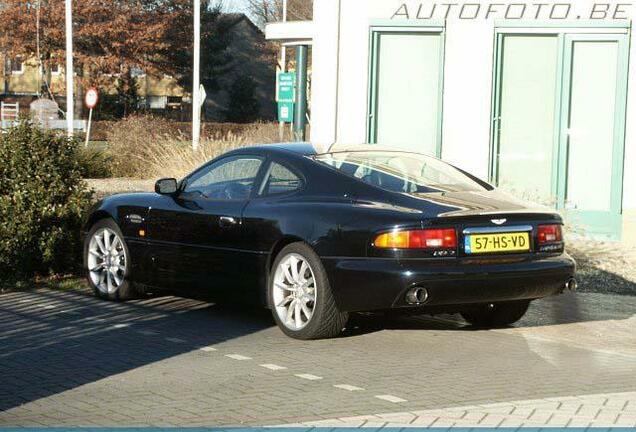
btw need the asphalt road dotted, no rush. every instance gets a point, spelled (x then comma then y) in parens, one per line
(67, 359)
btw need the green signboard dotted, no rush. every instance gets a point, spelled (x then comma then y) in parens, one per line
(286, 112)
(286, 87)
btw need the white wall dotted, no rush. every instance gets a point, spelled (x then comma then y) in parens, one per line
(343, 69)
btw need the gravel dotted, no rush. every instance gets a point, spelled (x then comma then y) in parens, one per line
(112, 186)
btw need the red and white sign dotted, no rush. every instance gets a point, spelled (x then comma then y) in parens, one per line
(92, 98)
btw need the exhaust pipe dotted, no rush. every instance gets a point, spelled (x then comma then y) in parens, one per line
(571, 285)
(417, 295)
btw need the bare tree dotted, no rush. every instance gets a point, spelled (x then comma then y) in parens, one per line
(266, 11)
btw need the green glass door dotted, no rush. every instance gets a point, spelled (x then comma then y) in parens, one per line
(406, 90)
(593, 131)
(559, 124)
(527, 115)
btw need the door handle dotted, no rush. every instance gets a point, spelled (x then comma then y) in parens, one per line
(227, 221)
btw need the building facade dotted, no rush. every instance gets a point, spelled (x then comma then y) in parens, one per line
(534, 97)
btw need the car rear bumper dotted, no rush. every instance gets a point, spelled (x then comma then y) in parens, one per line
(379, 284)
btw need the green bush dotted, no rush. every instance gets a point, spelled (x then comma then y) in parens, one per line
(42, 202)
(94, 163)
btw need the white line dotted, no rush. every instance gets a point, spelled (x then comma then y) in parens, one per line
(208, 349)
(348, 387)
(175, 340)
(238, 357)
(309, 377)
(391, 398)
(273, 367)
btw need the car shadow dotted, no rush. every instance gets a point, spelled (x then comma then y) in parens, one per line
(569, 308)
(62, 340)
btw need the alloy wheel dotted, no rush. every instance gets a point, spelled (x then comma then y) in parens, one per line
(106, 261)
(294, 292)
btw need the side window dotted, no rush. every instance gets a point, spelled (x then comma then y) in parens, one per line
(228, 179)
(281, 181)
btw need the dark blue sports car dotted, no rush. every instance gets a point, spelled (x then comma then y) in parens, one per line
(316, 237)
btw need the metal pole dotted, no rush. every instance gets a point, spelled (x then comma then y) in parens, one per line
(196, 79)
(300, 114)
(88, 128)
(283, 69)
(69, 68)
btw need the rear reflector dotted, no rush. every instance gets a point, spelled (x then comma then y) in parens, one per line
(417, 239)
(549, 234)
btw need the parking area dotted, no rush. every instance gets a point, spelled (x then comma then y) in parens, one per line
(67, 359)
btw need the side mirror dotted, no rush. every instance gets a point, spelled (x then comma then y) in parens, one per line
(167, 186)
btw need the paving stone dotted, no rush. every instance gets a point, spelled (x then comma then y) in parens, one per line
(571, 361)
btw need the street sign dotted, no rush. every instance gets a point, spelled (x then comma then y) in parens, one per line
(286, 112)
(91, 98)
(286, 87)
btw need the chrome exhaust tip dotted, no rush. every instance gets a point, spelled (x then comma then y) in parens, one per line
(417, 296)
(571, 285)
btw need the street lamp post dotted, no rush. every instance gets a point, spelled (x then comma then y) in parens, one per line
(69, 68)
(196, 78)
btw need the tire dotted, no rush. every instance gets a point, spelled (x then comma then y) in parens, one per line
(326, 321)
(119, 287)
(496, 315)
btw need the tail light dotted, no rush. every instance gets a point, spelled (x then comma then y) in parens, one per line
(549, 234)
(417, 239)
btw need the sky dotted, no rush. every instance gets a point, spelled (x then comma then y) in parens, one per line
(235, 5)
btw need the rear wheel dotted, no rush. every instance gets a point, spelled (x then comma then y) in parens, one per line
(300, 295)
(497, 314)
(107, 261)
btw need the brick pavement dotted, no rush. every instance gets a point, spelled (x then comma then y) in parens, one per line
(67, 359)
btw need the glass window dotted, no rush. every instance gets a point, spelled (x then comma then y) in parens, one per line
(228, 179)
(281, 181)
(17, 66)
(402, 172)
(407, 94)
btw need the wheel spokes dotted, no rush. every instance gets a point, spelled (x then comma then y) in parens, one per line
(107, 261)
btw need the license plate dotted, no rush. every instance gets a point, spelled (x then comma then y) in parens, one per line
(496, 243)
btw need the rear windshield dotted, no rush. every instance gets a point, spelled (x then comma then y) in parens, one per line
(402, 172)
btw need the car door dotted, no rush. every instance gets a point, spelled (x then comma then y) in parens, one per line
(196, 236)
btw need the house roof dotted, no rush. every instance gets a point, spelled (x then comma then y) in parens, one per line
(233, 19)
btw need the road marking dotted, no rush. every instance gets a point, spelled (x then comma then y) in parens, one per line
(273, 367)
(391, 398)
(147, 332)
(121, 326)
(175, 340)
(348, 387)
(208, 349)
(309, 377)
(238, 357)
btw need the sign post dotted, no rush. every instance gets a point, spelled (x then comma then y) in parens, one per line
(69, 67)
(91, 99)
(286, 95)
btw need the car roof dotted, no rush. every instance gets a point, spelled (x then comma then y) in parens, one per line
(297, 148)
(308, 149)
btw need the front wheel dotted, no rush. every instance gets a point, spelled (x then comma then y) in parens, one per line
(497, 314)
(107, 262)
(300, 296)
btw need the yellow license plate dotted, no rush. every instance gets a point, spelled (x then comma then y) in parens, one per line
(496, 243)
